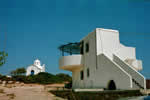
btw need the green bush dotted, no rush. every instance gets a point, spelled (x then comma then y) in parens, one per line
(64, 77)
(43, 78)
(20, 78)
(18, 71)
(68, 85)
(4, 78)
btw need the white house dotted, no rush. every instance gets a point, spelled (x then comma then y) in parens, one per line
(99, 60)
(35, 68)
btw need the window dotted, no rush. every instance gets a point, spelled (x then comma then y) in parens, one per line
(82, 48)
(87, 47)
(81, 75)
(88, 72)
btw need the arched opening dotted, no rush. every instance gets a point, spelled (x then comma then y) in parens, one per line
(32, 72)
(111, 85)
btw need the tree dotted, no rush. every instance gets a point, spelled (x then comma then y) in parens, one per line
(3, 56)
(21, 70)
(64, 77)
(13, 73)
(18, 71)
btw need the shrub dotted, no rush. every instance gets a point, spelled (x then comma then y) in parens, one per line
(64, 77)
(20, 78)
(68, 85)
(41, 78)
(18, 71)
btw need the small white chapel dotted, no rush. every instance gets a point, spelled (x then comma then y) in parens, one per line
(35, 68)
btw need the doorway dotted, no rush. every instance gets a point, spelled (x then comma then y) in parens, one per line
(111, 85)
(32, 72)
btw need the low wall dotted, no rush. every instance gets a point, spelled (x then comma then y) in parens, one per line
(102, 95)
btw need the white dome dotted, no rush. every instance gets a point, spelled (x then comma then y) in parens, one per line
(37, 62)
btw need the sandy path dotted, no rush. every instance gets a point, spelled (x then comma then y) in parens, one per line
(28, 92)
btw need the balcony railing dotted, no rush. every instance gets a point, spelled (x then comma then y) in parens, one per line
(71, 48)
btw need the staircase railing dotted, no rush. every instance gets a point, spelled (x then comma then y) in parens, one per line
(138, 78)
(137, 84)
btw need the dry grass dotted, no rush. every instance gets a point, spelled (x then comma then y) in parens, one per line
(8, 86)
(11, 96)
(2, 91)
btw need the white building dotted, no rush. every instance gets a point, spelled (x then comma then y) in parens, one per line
(100, 61)
(35, 68)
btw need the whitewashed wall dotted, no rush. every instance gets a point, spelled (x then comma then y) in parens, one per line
(101, 70)
(109, 70)
(126, 53)
(103, 44)
(135, 74)
(107, 41)
(30, 68)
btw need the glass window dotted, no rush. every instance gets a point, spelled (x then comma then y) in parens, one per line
(81, 48)
(88, 72)
(87, 47)
(81, 75)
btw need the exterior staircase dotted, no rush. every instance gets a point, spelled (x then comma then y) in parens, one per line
(138, 80)
(137, 84)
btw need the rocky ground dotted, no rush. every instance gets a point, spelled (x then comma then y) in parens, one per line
(26, 92)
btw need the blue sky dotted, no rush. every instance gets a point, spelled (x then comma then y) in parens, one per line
(35, 28)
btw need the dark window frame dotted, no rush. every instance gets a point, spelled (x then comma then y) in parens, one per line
(87, 47)
(82, 47)
(81, 75)
(88, 72)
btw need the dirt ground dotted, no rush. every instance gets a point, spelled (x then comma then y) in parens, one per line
(26, 92)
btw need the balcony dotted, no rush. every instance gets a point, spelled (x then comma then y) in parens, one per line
(71, 63)
(136, 64)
